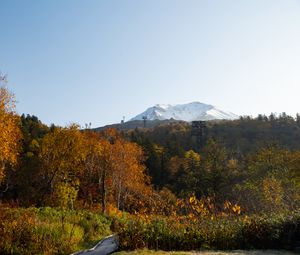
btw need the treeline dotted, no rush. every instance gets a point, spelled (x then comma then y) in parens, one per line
(240, 136)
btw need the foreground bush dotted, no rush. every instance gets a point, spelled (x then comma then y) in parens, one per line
(49, 231)
(223, 233)
(54, 231)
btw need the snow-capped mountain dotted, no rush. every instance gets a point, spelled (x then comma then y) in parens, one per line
(186, 112)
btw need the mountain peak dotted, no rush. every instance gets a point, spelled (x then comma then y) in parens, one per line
(187, 112)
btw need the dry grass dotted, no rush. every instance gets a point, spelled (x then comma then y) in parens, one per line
(147, 252)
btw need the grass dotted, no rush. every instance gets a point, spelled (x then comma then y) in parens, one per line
(256, 252)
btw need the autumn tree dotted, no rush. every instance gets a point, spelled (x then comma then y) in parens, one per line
(91, 176)
(121, 170)
(128, 172)
(269, 184)
(10, 134)
(96, 178)
(62, 155)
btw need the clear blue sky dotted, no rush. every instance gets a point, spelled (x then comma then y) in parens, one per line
(95, 61)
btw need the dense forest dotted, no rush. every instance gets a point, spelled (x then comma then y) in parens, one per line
(241, 161)
(236, 160)
(235, 186)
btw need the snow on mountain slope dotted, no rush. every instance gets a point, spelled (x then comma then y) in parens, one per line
(187, 112)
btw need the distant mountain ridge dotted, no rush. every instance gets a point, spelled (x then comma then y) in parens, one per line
(185, 112)
(128, 125)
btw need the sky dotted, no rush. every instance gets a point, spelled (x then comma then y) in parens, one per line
(95, 61)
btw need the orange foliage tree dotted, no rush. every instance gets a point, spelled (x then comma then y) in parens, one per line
(114, 170)
(128, 172)
(10, 134)
(100, 167)
(91, 176)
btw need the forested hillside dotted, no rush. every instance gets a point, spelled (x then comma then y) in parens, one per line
(242, 136)
(162, 187)
(239, 160)
(251, 162)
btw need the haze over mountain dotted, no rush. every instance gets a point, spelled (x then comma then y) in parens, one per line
(186, 112)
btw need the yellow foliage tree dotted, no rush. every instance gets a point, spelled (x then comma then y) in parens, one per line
(273, 193)
(122, 175)
(62, 155)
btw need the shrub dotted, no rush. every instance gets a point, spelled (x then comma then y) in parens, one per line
(55, 231)
(233, 232)
(49, 231)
